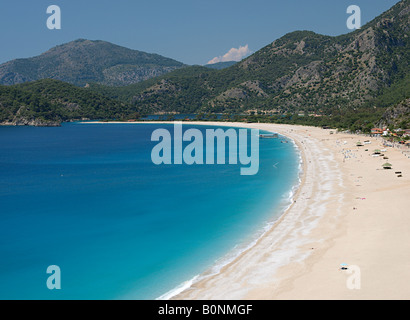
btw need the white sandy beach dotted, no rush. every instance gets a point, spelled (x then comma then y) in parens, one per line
(348, 209)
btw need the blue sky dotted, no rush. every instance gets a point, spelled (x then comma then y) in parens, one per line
(192, 32)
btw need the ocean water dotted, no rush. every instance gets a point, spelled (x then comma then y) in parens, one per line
(87, 198)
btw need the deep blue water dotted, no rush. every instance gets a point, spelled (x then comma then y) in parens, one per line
(88, 198)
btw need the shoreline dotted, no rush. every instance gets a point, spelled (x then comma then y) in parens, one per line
(198, 289)
(347, 210)
(293, 194)
(350, 221)
(175, 292)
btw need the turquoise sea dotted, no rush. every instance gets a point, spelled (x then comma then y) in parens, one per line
(87, 198)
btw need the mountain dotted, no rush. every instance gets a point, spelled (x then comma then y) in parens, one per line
(48, 102)
(397, 116)
(300, 72)
(220, 65)
(83, 61)
(348, 81)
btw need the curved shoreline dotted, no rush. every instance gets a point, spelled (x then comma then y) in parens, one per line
(209, 274)
(232, 257)
(201, 282)
(348, 210)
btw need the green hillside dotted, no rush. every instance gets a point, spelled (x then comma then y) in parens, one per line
(347, 81)
(49, 102)
(302, 72)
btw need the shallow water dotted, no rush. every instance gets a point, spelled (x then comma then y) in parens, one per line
(88, 198)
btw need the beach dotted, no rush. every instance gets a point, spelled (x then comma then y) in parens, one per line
(349, 223)
(345, 236)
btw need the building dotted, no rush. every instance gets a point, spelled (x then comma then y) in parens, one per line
(377, 131)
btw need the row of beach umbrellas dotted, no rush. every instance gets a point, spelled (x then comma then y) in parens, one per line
(377, 151)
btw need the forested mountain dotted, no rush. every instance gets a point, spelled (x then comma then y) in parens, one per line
(300, 72)
(82, 61)
(49, 102)
(303, 77)
(220, 65)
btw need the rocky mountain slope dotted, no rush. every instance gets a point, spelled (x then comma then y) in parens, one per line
(83, 61)
(300, 72)
(397, 115)
(348, 80)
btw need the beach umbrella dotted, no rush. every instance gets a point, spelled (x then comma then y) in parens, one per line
(343, 266)
(377, 151)
(387, 165)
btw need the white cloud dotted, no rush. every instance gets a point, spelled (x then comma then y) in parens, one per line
(234, 54)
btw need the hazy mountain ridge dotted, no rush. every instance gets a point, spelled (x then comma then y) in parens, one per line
(83, 61)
